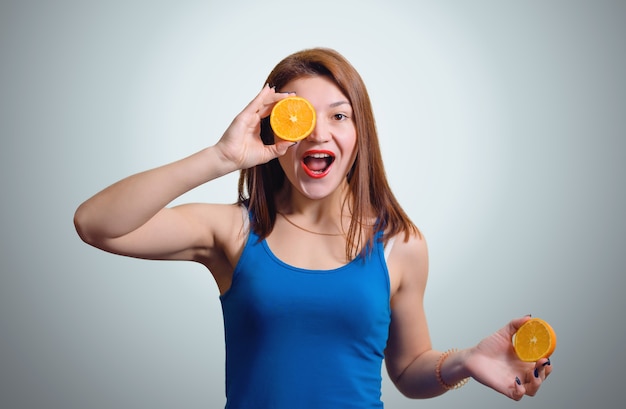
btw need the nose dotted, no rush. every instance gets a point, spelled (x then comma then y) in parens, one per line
(320, 133)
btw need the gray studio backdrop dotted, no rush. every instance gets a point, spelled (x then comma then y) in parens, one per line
(502, 127)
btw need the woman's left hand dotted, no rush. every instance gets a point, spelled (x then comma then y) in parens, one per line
(493, 363)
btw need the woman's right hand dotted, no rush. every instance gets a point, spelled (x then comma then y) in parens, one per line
(241, 143)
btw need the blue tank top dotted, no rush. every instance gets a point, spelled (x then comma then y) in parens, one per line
(299, 339)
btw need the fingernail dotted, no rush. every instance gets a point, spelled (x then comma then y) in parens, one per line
(536, 373)
(547, 362)
(529, 315)
(518, 381)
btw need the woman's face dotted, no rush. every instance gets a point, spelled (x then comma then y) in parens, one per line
(317, 166)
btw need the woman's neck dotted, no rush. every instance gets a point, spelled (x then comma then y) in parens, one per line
(291, 201)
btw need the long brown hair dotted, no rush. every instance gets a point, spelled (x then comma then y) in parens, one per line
(370, 197)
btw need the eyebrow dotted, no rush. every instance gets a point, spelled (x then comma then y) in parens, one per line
(338, 103)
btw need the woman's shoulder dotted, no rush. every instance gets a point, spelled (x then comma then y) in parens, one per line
(409, 246)
(407, 260)
(224, 227)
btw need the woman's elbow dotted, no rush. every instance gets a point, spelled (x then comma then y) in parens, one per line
(85, 227)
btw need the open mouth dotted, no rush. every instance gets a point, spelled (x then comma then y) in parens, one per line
(317, 163)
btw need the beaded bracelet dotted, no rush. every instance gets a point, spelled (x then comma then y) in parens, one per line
(446, 386)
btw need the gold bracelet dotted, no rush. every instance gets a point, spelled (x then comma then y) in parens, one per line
(446, 386)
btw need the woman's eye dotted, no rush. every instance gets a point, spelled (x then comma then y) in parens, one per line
(340, 117)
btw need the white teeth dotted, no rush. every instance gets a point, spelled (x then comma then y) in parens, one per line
(320, 155)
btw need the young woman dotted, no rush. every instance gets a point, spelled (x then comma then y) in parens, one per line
(321, 272)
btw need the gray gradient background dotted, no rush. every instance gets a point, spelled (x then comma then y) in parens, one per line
(503, 129)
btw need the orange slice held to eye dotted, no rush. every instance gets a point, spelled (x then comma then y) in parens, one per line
(292, 118)
(534, 340)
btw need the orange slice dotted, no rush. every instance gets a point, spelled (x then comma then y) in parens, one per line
(534, 340)
(292, 118)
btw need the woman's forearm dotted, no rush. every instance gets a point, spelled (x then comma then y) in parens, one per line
(420, 379)
(131, 202)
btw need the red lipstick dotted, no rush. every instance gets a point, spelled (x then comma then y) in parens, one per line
(317, 163)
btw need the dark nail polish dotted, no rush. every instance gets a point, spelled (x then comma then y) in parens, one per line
(547, 362)
(518, 381)
(536, 373)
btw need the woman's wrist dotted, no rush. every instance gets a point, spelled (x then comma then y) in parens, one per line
(212, 164)
(450, 369)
